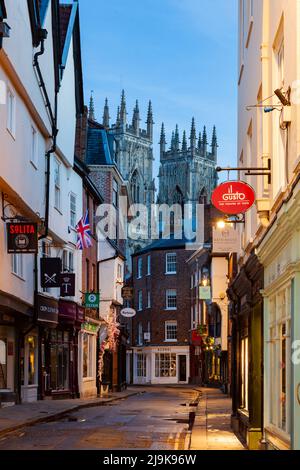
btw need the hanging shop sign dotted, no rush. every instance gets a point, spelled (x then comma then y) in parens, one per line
(67, 285)
(233, 197)
(227, 240)
(128, 312)
(196, 338)
(127, 293)
(205, 293)
(91, 300)
(22, 237)
(50, 272)
(47, 310)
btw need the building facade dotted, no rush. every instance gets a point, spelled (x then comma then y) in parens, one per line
(43, 96)
(267, 138)
(161, 327)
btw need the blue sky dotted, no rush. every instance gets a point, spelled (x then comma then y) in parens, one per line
(181, 54)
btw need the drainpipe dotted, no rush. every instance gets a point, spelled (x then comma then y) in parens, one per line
(53, 120)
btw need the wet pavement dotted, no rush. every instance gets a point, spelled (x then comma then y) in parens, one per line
(159, 419)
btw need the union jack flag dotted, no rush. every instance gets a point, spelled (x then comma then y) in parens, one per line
(84, 239)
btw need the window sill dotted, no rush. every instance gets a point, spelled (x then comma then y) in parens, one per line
(58, 210)
(170, 341)
(19, 277)
(170, 309)
(170, 274)
(12, 133)
(34, 165)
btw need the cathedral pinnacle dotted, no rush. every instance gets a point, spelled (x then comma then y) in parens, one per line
(123, 112)
(106, 116)
(150, 122)
(193, 137)
(136, 118)
(184, 142)
(162, 134)
(92, 107)
(176, 139)
(200, 141)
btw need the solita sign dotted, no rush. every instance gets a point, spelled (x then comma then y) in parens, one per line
(233, 197)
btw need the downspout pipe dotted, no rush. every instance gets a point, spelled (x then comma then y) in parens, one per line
(53, 120)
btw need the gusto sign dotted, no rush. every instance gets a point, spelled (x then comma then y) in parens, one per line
(233, 197)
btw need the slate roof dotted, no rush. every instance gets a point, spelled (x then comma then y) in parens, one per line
(164, 244)
(99, 146)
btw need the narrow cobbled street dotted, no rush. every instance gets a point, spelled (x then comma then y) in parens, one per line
(161, 418)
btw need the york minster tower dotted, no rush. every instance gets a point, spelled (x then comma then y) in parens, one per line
(187, 170)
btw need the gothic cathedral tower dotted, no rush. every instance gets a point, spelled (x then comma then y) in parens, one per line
(134, 156)
(187, 172)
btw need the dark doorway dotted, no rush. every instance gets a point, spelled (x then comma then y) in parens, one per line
(182, 368)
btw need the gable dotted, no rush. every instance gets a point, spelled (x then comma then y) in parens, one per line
(2, 10)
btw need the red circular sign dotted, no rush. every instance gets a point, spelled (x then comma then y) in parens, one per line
(233, 197)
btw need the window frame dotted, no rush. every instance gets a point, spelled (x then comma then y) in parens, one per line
(171, 323)
(168, 296)
(57, 184)
(171, 262)
(139, 268)
(140, 300)
(17, 261)
(73, 212)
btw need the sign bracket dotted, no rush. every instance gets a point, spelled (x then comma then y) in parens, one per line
(251, 171)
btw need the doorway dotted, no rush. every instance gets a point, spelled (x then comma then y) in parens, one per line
(182, 368)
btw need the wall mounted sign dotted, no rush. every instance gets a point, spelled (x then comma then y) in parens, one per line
(128, 312)
(89, 327)
(196, 338)
(22, 237)
(50, 272)
(67, 311)
(67, 285)
(47, 310)
(233, 197)
(91, 300)
(205, 293)
(127, 293)
(227, 240)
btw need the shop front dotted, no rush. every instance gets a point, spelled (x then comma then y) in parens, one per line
(88, 359)
(162, 365)
(279, 253)
(15, 318)
(246, 316)
(59, 323)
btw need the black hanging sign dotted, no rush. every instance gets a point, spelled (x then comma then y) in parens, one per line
(67, 285)
(50, 272)
(22, 237)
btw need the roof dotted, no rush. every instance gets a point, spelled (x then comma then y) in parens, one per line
(164, 244)
(64, 15)
(99, 146)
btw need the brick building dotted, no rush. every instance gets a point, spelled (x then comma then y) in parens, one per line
(161, 351)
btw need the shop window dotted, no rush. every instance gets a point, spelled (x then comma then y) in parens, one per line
(244, 373)
(88, 355)
(165, 365)
(279, 352)
(141, 370)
